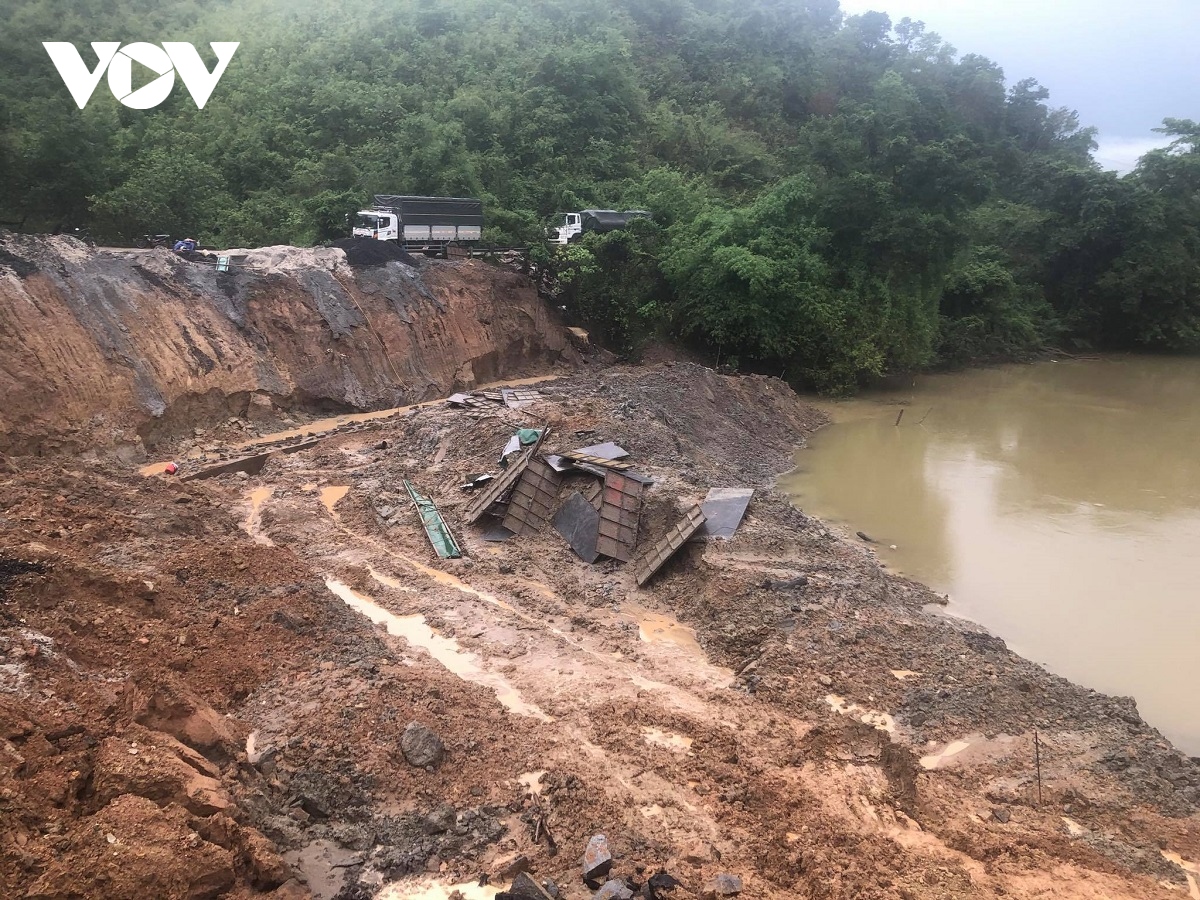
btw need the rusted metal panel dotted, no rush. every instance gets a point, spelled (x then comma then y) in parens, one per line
(577, 456)
(533, 499)
(497, 487)
(664, 548)
(620, 505)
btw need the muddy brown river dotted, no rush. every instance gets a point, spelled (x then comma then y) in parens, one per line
(1057, 504)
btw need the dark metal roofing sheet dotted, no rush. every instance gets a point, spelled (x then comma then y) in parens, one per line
(723, 510)
(579, 523)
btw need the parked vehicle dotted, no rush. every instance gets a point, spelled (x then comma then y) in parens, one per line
(422, 224)
(571, 226)
(153, 240)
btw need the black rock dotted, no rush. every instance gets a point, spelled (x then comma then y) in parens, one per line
(597, 860)
(420, 746)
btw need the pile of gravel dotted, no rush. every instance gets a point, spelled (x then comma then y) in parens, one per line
(364, 252)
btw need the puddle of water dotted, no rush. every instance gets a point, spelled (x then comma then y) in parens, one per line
(656, 627)
(389, 581)
(936, 760)
(443, 649)
(331, 495)
(435, 890)
(533, 781)
(1058, 504)
(881, 720)
(256, 498)
(659, 738)
(1191, 871)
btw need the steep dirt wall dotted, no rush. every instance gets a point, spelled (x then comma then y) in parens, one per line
(118, 350)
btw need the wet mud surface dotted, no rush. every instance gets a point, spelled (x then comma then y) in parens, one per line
(271, 685)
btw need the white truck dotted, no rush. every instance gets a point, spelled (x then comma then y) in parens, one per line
(571, 226)
(422, 224)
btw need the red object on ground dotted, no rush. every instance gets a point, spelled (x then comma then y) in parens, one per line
(171, 468)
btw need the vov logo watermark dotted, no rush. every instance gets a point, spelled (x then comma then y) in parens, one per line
(164, 61)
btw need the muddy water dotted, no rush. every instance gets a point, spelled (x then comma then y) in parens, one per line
(1057, 504)
(443, 649)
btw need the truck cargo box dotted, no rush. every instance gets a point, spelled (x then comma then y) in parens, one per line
(426, 211)
(610, 219)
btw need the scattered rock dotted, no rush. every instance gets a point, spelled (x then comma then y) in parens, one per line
(597, 860)
(420, 746)
(724, 885)
(442, 820)
(510, 866)
(862, 535)
(1001, 815)
(664, 883)
(613, 890)
(701, 853)
(524, 888)
(825, 680)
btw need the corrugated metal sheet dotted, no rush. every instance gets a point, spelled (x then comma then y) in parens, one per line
(664, 548)
(620, 505)
(533, 499)
(435, 526)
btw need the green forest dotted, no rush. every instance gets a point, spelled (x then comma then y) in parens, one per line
(834, 197)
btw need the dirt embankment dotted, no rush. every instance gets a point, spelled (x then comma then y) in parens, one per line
(184, 679)
(121, 350)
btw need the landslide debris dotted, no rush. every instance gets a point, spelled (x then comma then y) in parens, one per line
(751, 721)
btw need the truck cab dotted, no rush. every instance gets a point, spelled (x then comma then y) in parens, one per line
(377, 224)
(566, 227)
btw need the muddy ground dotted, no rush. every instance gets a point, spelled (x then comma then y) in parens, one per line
(208, 687)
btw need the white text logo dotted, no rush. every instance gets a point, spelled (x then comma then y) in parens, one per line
(164, 61)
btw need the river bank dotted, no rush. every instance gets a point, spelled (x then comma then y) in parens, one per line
(776, 706)
(1056, 503)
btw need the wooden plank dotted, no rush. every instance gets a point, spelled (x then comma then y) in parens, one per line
(576, 456)
(666, 546)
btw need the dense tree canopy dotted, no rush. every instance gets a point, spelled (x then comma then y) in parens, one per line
(834, 196)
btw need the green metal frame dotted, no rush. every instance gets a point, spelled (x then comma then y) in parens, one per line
(435, 526)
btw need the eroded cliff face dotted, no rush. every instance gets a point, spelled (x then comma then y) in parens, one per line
(120, 350)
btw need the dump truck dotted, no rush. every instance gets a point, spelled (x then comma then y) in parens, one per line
(421, 224)
(571, 226)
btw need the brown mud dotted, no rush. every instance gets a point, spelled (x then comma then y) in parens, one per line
(208, 688)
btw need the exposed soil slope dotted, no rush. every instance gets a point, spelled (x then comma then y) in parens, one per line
(123, 349)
